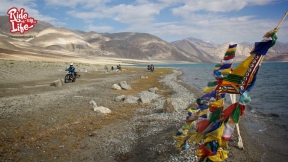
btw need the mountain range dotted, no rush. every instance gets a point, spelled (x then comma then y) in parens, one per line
(130, 45)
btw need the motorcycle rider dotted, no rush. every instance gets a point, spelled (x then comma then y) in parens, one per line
(72, 69)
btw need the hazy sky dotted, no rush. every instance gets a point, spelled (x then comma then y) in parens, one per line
(216, 20)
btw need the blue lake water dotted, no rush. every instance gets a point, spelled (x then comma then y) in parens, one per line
(269, 95)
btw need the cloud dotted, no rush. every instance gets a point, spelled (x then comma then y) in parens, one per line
(85, 15)
(122, 13)
(73, 3)
(218, 28)
(189, 7)
(214, 6)
(134, 14)
(99, 29)
(212, 24)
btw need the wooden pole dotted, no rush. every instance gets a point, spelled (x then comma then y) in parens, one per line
(278, 26)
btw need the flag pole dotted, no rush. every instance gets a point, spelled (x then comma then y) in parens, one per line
(278, 26)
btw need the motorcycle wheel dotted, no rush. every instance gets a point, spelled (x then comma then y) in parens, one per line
(66, 79)
(73, 78)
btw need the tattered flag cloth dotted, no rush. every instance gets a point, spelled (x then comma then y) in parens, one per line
(208, 126)
(228, 132)
(243, 75)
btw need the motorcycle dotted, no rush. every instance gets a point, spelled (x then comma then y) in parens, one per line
(69, 77)
(150, 67)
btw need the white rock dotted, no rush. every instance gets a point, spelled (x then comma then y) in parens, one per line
(116, 86)
(153, 90)
(58, 83)
(119, 98)
(124, 85)
(131, 99)
(170, 106)
(144, 99)
(102, 109)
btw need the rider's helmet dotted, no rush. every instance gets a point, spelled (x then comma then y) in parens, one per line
(71, 64)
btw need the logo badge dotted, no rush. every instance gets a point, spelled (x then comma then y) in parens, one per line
(20, 20)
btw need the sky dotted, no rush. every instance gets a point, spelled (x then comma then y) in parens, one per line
(218, 21)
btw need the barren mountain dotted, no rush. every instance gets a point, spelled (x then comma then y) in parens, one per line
(96, 41)
(125, 45)
(198, 48)
(153, 46)
(140, 46)
(60, 39)
(93, 37)
(279, 52)
(243, 50)
(79, 32)
(122, 48)
(209, 52)
(6, 45)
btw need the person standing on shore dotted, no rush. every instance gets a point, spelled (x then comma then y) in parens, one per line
(152, 67)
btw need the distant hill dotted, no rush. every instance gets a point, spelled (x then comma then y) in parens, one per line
(197, 48)
(59, 38)
(6, 45)
(141, 46)
(151, 46)
(211, 52)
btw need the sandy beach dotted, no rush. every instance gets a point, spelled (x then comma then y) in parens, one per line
(40, 122)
